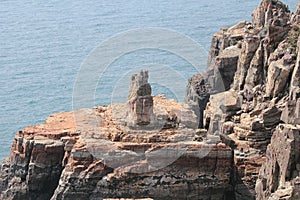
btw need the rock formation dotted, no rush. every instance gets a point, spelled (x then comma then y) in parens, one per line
(93, 154)
(64, 159)
(140, 101)
(279, 177)
(261, 96)
(236, 137)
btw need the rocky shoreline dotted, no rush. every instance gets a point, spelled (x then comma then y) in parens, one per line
(237, 136)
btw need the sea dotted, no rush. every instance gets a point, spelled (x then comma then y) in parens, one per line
(45, 45)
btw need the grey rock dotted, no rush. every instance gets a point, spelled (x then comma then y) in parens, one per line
(140, 101)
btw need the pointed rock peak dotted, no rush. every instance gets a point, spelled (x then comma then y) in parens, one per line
(267, 10)
(139, 85)
(296, 15)
(140, 101)
(297, 10)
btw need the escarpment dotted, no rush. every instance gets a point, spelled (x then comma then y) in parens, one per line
(237, 135)
(257, 106)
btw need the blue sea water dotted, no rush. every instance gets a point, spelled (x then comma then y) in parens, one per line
(43, 43)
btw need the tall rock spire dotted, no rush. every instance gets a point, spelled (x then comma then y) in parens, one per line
(140, 101)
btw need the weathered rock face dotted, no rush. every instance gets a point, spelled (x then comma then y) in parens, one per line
(249, 47)
(270, 12)
(140, 101)
(226, 38)
(270, 25)
(247, 105)
(197, 96)
(223, 58)
(295, 83)
(279, 175)
(91, 154)
(239, 56)
(182, 179)
(291, 112)
(296, 15)
(265, 82)
(36, 161)
(277, 74)
(226, 63)
(221, 108)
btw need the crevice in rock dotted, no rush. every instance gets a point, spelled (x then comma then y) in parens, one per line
(276, 178)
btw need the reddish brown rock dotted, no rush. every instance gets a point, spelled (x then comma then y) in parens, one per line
(99, 154)
(279, 175)
(66, 160)
(176, 181)
(36, 160)
(265, 70)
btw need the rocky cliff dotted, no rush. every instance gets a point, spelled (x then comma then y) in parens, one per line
(237, 136)
(149, 147)
(252, 97)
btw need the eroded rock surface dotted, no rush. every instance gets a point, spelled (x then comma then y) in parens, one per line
(265, 82)
(140, 101)
(89, 154)
(246, 106)
(279, 177)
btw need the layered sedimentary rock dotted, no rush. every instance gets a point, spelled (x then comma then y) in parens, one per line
(36, 159)
(191, 176)
(246, 104)
(265, 83)
(95, 154)
(279, 177)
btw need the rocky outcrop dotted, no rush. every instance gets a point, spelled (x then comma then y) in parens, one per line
(223, 58)
(36, 160)
(264, 83)
(95, 154)
(279, 175)
(270, 12)
(190, 176)
(235, 137)
(270, 25)
(140, 101)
